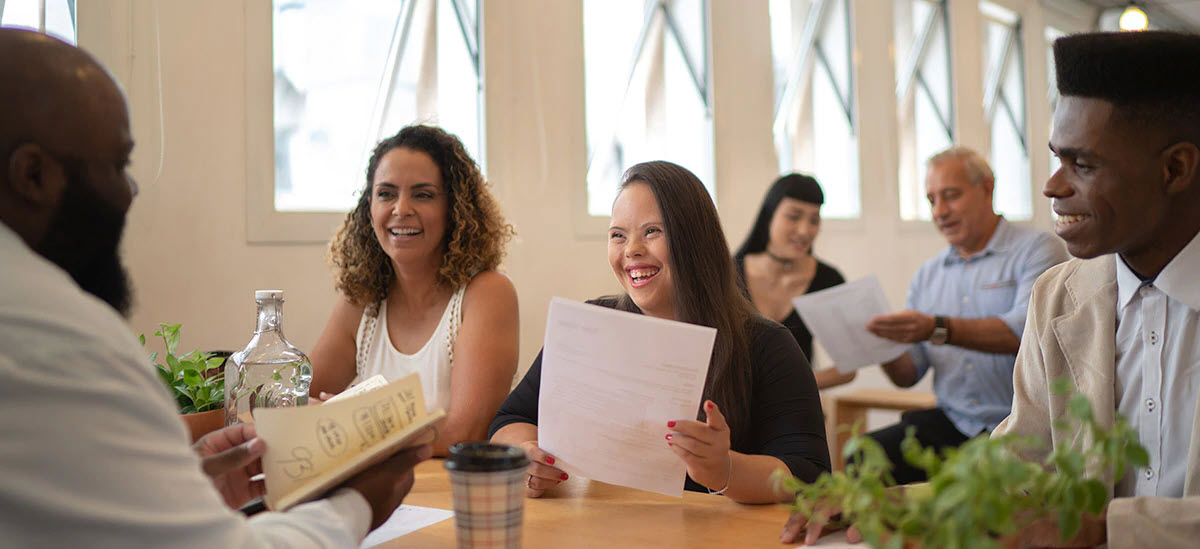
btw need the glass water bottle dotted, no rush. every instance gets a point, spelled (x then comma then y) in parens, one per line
(269, 372)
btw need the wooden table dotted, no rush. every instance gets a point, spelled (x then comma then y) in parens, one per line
(581, 513)
(850, 408)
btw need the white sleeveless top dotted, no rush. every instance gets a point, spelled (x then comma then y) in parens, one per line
(377, 355)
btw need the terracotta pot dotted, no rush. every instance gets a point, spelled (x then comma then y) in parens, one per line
(202, 423)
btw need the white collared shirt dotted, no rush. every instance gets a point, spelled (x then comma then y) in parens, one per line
(1158, 369)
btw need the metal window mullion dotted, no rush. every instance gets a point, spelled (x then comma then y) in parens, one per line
(639, 47)
(699, 74)
(71, 12)
(42, 16)
(916, 54)
(387, 80)
(995, 80)
(943, 118)
(797, 72)
(1012, 118)
(2, 9)
(849, 67)
(1018, 30)
(470, 31)
(842, 101)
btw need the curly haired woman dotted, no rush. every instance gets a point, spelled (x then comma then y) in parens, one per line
(415, 263)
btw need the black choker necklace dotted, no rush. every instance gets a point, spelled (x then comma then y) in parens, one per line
(787, 264)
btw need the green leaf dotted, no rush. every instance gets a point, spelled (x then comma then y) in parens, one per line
(192, 378)
(1068, 524)
(1137, 455)
(1061, 386)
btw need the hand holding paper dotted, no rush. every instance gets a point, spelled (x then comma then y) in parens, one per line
(838, 317)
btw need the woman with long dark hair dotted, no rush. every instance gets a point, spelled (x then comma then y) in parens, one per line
(415, 264)
(776, 262)
(760, 413)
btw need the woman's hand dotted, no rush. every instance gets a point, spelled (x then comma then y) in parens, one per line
(704, 447)
(543, 475)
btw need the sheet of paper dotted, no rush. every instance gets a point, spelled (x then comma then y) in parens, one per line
(838, 317)
(374, 382)
(404, 520)
(610, 382)
(836, 540)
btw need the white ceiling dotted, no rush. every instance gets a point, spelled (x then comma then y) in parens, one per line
(1173, 14)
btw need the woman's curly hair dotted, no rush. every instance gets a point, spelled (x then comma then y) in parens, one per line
(475, 229)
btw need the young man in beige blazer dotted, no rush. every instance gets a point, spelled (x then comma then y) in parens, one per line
(1122, 321)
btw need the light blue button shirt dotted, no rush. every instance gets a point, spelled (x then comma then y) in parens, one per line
(975, 388)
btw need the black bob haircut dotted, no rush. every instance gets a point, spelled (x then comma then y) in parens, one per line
(793, 185)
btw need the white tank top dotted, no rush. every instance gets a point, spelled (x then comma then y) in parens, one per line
(377, 355)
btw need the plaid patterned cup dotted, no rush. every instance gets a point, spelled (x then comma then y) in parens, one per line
(487, 481)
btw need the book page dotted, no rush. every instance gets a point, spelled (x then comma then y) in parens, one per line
(311, 449)
(374, 382)
(610, 382)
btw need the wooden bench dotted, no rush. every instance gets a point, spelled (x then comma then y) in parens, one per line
(851, 407)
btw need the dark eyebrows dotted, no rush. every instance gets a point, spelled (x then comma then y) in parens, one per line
(1071, 152)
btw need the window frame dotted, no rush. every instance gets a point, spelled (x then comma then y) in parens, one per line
(265, 224)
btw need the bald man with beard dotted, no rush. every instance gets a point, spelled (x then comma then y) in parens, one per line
(91, 448)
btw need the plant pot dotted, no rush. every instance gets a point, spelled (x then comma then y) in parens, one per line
(202, 423)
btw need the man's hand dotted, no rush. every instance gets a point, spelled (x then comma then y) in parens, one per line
(807, 530)
(386, 483)
(230, 457)
(904, 327)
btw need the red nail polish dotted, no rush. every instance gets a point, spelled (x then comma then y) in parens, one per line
(670, 424)
(709, 405)
(549, 460)
(668, 436)
(564, 476)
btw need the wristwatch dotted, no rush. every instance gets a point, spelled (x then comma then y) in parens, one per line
(941, 331)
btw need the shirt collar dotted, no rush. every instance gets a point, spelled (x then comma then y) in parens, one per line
(1127, 283)
(1179, 280)
(998, 243)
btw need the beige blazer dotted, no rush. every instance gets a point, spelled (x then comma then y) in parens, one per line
(1071, 331)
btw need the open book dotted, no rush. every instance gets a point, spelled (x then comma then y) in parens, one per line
(311, 449)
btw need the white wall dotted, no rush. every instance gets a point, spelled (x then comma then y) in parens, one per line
(186, 242)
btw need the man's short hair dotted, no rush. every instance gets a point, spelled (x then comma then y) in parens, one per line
(1152, 77)
(976, 166)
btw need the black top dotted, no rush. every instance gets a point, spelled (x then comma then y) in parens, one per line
(785, 416)
(825, 277)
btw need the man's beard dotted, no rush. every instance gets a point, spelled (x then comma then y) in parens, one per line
(84, 238)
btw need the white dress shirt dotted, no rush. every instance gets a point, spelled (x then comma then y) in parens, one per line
(1158, 369)
(92, 452)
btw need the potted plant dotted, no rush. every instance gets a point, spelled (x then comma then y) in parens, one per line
(978, 495)
(196, 380)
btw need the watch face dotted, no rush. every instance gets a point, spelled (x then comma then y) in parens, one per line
(938, 337)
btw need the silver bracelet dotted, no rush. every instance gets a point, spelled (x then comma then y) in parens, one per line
(728, 480)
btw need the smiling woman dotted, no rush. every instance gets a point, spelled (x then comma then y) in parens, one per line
(761, 413)
(416, 263)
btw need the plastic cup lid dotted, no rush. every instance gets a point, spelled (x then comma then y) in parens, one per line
(484, 456)
(268, 294)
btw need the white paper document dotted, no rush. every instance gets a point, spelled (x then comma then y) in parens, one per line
(837, 540)
(838, 317)
(404, 520)
(610, 382)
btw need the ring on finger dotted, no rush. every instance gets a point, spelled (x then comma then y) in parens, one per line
(529, 482)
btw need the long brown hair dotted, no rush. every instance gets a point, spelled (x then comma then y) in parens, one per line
(475, 229)
(705, 290)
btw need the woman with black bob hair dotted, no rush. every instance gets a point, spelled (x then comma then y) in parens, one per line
(776, 262)
(760, 413)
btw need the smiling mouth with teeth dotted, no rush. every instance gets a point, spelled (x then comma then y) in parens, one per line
(404, 232)
(1070, 219)
(642, 275)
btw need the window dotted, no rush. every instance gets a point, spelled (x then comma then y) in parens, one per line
(814, 82)
(53, 17)
(923, 93)
(1004, 107)
(389, 64)
(1052, 34)
(646, 71)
